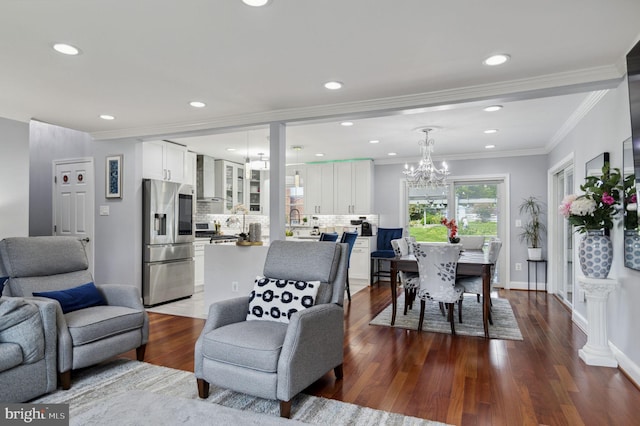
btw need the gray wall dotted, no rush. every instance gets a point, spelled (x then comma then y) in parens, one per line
(47, 143)
(14, 178)
(527, 176)
(118, 237)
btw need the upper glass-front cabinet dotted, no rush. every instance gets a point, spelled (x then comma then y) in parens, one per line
(230, 182)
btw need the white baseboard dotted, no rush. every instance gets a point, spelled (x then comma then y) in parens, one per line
(625, 364)
(522, 285)
(580, 321)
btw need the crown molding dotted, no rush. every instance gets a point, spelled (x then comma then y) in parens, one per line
(547, 85)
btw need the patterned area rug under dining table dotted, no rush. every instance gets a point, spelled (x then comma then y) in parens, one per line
(504, 325)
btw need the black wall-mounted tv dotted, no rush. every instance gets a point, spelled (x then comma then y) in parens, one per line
(633, 74)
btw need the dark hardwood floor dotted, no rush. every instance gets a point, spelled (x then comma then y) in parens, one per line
(458, 380)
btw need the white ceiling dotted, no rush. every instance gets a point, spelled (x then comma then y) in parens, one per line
(405, 65)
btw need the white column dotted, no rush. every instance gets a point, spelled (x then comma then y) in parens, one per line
(597, 350)
(277, 158)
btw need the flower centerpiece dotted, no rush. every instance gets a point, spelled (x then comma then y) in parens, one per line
(241, 209)
(591, 213)
(598, 206)
(453, 229)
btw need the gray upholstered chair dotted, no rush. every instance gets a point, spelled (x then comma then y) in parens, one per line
(272, 359)
(117, 323)
(27, 348)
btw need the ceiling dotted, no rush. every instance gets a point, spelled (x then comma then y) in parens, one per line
(404, 65)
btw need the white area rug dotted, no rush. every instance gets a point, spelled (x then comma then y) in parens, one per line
(153, 393)
(504, 325)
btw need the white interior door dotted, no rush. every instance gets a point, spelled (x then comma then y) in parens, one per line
(73, 199)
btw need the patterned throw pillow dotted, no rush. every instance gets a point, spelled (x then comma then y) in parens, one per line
(273, 299)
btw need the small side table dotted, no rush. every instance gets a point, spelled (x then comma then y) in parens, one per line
(597, 350)
(535, 266)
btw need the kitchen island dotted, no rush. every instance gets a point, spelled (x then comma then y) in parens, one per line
(230, 270)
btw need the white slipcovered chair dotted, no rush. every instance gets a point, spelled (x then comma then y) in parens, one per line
(410, 280)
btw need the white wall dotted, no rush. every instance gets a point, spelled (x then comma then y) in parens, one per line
(14, 179)
(604, 129)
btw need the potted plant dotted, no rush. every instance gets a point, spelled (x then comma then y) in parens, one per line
(532, 229)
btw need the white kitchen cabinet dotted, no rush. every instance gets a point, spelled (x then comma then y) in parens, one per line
(360, 261)
(190, 169)
(198, 248)
(353, 187)
(258, 192)
(318, 189)
(229, 183)
(163, 160)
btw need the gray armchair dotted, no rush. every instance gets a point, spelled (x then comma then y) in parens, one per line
(27, 348)
(88, 335)
(276, 360)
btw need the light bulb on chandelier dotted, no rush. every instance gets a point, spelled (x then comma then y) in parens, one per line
(426, 175)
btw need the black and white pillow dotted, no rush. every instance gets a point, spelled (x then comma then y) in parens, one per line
(273, 299)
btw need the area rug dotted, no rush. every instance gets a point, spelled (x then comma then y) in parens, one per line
(504, 325)
(96, 391)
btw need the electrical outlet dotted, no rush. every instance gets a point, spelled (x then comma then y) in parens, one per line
(518, 223)
(234, 286)
(518, 266)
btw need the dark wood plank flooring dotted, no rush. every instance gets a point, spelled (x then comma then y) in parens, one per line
(458, 380)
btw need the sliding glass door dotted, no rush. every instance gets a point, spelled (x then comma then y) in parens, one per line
(563, 182)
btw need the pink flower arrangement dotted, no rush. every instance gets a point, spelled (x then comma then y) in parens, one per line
(596, 208)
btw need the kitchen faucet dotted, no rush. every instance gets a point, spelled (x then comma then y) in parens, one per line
(291, 216)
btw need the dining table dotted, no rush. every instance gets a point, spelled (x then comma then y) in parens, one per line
(470, 263)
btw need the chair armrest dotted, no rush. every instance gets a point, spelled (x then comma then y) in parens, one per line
(121, 295)
(221, 313)
(312, 346)
(64, 342)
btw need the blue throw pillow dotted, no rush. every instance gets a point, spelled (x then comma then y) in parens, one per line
(73, 299)
(2, 281)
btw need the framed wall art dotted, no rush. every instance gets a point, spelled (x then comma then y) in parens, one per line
(113, 176)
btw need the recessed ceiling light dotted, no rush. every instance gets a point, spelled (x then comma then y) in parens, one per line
(490, 131)
(231, 149)
(107, 117)
(333, 85)
(392, 153)
(66, 49)
(496, 59)
(319, 154)
(493, 108)
(346, 123)
(489, 146)
(197, 104)
(374, 141)
(255, 3)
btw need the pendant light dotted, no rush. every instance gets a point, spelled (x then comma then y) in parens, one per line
(247, 162)
(296, 175)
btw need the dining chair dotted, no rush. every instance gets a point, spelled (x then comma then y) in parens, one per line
(384, 251)
(329, 236)
(437, 264)
(473, 284)
(349, 238)
(410, 280)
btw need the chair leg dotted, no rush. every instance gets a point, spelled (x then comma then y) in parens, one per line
(460, 311)
(478, 297)
(422, 308)
(339, 372)
(347, 287)
(285, 409)
(450, 307)
(65, 380)
(203, 388)
(371, 271)
(442, 308)
(406, 300)
(140, 352)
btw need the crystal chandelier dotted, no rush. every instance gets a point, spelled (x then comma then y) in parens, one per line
(426, 175)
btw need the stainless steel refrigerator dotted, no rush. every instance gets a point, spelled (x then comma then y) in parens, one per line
(168, 235)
